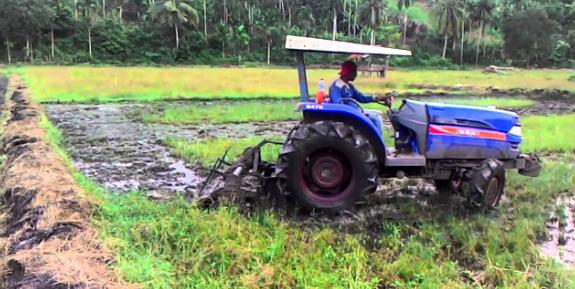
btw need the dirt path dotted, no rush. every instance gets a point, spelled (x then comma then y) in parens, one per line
(46, 235)
(111, 147)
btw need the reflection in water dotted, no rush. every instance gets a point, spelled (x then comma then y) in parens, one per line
(561, 243)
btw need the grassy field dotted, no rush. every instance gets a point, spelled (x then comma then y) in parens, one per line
(206, 152)
(99, 84)
(282, 111)
(226, 113)
(553, 133)
(176, 245)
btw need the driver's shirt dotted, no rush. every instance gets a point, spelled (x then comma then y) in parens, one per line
(339, 89)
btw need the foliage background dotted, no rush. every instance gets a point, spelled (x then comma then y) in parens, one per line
(231, 32)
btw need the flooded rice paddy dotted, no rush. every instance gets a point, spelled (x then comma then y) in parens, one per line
(109, 144)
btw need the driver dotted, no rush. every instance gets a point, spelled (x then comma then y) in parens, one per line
(342, 88)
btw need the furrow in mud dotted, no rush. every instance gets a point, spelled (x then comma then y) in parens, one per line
(47, 236)
(122, 154)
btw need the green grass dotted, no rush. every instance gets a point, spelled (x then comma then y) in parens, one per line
(282, 111)
(206, 152)
(226, 113)
(176, 245)
(104, 84)
(552, 133)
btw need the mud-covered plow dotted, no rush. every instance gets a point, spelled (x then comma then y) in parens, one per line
(246, 180)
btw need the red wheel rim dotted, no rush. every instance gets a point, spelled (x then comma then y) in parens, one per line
(327, 171)
(325, 177)
(456, 183)
(492, 192)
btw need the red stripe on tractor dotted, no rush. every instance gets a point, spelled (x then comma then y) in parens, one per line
(466, 132)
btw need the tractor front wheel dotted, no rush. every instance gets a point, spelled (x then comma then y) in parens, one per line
(487, 184)
(327, 165)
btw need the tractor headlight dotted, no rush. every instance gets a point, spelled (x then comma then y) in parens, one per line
(516, 131)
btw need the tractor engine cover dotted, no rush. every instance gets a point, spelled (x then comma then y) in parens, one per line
(465, 132)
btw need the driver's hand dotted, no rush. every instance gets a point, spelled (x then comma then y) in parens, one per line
(392, 94)
(386, 99)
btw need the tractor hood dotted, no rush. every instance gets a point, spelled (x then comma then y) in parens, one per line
(471, 116)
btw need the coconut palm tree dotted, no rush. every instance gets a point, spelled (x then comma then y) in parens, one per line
(482, 10)
(305, 19)
(88, 8)
(272, 33)
(401, 4)
(371, 15)
(175, 13)
(448, 16)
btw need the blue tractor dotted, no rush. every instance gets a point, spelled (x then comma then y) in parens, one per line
(335, 155)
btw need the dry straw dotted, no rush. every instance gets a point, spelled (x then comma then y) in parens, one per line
(50, 236)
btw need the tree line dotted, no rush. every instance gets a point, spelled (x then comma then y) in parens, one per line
(440, 32)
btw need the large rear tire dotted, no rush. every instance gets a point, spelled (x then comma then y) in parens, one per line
(327, 165)
(487, 184)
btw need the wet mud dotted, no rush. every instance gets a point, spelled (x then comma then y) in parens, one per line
(560, 245)
(110, 145)
(546, 107)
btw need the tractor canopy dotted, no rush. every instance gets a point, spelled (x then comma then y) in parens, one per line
(308, 44)
(299, 45)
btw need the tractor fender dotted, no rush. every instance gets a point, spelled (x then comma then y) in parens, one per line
(349, 115)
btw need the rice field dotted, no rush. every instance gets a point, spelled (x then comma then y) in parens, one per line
(258, 111)
(551, 133)
(409, 244)
(109, 84)
(178, 245)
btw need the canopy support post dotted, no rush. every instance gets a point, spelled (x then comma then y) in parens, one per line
(303, 89)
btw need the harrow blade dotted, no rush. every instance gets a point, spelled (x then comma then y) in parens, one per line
(241, 181)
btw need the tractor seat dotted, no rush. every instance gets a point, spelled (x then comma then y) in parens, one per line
(376, 112)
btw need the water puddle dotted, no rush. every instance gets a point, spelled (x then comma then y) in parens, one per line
(561, 243)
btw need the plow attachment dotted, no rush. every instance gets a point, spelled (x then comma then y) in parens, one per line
(246, 180)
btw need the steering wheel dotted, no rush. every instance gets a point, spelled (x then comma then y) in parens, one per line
(344, 100)
(390, 97)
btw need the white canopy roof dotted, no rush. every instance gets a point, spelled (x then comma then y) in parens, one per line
(321, 45)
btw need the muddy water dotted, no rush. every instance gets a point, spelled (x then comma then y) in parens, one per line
(547, 107)
(561, 243)
(110, 146)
